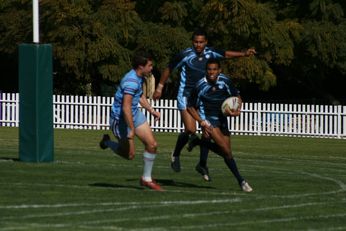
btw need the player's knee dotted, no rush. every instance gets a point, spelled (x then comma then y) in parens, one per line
(228, 155)
(152, 147)
(190, 128)
(190, 131)
(226, 152)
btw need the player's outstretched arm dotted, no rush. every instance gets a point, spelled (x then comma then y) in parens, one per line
(237, 54)
(164, 77)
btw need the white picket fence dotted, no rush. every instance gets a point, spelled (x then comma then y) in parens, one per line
(92, 112)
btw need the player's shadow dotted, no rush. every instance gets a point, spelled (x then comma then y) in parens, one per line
(9, 159)
(170, 182)
(108, 185)
(162, 182)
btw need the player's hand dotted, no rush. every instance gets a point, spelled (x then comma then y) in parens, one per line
(234, 113)
(207, 128)
(158, 91)
(157, 95)
(131, 134)
(156, 114)
(250, 52)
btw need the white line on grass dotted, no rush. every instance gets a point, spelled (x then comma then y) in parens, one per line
(332, 229)
(266, 221)
(191, 215)
(293, 157)
(207, 214)
(338, 182)
(122, 203)
(127, 206)
(214, 192)
(328, 166)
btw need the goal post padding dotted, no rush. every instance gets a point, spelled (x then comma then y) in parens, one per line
(36, 134)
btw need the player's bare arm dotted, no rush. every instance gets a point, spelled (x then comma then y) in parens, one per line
(146, 105)
(164, 77)
(236, 54)
(127, 104)
(206, 126)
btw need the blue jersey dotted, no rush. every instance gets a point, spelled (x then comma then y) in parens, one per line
(208, 97)
(192, 67)
(131, 84)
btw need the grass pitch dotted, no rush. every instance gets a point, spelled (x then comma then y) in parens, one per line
(299, 184)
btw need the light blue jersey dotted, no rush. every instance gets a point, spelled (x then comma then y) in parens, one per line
(131, 84)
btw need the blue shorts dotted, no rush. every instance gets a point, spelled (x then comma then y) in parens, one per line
(119, 126)
(221, 122)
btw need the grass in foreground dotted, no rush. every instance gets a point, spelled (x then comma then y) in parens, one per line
(299, 184)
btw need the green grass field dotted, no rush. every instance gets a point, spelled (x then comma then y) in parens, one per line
(299, 184)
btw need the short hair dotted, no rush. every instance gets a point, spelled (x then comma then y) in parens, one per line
(140, 58)
(199, 32)
(213, 61)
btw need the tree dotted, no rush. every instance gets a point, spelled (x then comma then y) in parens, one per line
(298, 42)
(319, 60)
(14, 29)
(238, 24)
(88, 40)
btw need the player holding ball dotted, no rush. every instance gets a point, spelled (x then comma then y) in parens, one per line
(205, 107)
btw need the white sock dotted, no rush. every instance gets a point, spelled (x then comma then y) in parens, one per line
(148, 165)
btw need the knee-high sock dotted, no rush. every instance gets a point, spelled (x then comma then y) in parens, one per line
(148, 159)
(211, 146)
(112, 145)
(204, 150)
(183, 138)
(234, 169)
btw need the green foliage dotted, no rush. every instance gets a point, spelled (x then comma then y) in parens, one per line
(326, 10)
(93, 40)
(245, 23)
(162, 41)
(324, 41)
(88, 39)
(173, 11)
(15, 25)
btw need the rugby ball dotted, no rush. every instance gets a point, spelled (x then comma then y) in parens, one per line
(233, 103)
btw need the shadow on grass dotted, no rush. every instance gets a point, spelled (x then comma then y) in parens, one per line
(162, 182)
(8, 159)
(107, 185)
(170, 182)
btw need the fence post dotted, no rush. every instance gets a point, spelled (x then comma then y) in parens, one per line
(339, 123)
(98, 112)
(259, 119)
(0, 108)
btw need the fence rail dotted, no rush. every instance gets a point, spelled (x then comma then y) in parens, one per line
(92, 112)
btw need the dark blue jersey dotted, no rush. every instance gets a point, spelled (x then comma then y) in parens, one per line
(192, 67)
(208, 97)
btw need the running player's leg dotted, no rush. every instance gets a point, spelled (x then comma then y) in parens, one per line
(190, 128)
(145, 134)
(183, 138)
(222, 138)
(124, 147)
